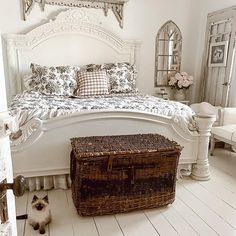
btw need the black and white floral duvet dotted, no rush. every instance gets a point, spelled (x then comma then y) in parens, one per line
(29, 105)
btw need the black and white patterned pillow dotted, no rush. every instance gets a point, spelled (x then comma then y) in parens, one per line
(122, 76)
(97, 67)
(92, 83)
(54, 80)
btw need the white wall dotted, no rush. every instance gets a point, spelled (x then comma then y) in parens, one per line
(142, 19)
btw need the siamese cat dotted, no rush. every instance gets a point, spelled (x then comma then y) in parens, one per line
(39, 214)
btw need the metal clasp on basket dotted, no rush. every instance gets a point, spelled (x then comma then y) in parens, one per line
(109, 164)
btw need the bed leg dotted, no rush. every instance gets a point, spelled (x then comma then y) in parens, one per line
(201, 170)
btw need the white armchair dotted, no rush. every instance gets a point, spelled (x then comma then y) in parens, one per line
(226, 131)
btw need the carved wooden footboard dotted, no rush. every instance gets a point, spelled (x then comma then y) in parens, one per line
(46, 150)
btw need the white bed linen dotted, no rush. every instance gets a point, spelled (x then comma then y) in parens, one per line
(29, 105)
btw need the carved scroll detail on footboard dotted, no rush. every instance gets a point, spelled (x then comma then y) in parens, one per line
(27, 131)
(188, 128)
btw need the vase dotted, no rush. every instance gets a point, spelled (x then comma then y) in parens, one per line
(179, 95)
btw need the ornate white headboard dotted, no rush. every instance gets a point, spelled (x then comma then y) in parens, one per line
(73, 38)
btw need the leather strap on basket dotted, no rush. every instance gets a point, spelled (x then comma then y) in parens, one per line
(131, 170)
(131, 174)
(109, 164)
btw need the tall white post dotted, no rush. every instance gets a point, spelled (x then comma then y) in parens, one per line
(201, 170)
(9, 227)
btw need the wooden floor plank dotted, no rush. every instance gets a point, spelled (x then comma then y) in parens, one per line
(229, 182)
(215, 204)
(176, 220)
(61, 217)
(29, 231)
(107, 225)
(192, 218)
(218, 189)
(210, 217)
(83, 226)
(136, 224)
(203, 208)
(21, 209)
(224, 160)
(161, 224)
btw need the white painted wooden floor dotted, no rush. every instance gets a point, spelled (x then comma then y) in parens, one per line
(201, 208)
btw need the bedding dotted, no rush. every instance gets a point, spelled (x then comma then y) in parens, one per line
(122, 76)
(29, 105)
(53, 80)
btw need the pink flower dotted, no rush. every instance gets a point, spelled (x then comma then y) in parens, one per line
(181, 80)
(183, 74)
(172, 81)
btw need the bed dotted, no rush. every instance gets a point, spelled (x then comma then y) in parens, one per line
(41, 151)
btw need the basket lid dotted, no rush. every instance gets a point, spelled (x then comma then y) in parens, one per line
(121, 144)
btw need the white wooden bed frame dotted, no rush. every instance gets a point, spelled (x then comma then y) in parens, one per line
(77, 38)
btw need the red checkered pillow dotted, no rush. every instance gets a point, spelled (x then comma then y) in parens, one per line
(92, 83)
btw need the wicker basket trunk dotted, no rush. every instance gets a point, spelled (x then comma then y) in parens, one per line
(114, 174)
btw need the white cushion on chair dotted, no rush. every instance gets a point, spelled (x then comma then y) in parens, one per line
(229, 116)
(226, 132)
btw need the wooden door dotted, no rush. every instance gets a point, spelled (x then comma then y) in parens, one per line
(216, 77)
(7, 200)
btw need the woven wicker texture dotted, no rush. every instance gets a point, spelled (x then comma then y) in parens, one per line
(112, 174)
(120, 144)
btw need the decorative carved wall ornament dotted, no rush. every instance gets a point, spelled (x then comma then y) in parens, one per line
(115, 5)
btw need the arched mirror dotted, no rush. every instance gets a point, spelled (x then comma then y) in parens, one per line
(168, 53)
